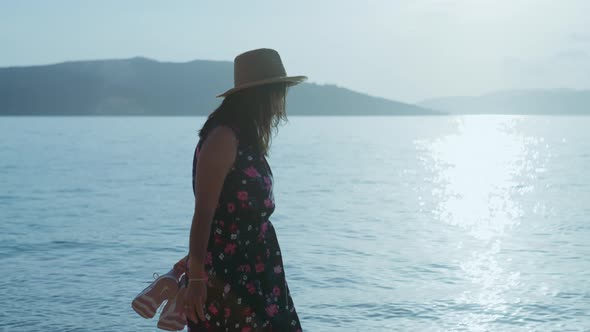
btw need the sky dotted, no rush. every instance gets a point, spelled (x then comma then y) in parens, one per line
(402, 50)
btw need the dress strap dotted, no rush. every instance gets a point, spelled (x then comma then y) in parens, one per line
(217, 123)
(236, 130)
(233, 127)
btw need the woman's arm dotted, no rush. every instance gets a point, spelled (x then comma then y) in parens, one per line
(215, 159)
(180, 266)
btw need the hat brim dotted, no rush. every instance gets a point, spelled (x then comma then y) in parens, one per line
(291, 80)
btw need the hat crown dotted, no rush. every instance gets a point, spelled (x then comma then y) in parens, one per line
(257, 65)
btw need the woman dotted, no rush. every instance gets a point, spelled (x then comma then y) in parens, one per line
(236, 280)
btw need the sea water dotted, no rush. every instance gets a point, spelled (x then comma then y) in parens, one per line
(448, 223)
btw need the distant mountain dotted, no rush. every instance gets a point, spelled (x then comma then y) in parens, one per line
(557, 101)
(141, 86)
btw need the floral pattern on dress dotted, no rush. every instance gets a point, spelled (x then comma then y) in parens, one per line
(247, 289)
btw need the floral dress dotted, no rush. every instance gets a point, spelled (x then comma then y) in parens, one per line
(247, 290)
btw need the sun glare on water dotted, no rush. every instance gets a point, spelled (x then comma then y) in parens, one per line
(478, 176)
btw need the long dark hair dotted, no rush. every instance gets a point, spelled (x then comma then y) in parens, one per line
(256, 111)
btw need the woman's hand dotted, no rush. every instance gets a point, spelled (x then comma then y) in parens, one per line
(195, 296)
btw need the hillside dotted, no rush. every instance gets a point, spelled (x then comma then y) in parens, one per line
(556, 102)
(141, 86)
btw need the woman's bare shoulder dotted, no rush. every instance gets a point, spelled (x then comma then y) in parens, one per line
(222, 137)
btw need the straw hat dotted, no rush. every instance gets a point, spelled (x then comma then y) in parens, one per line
(258, 67)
